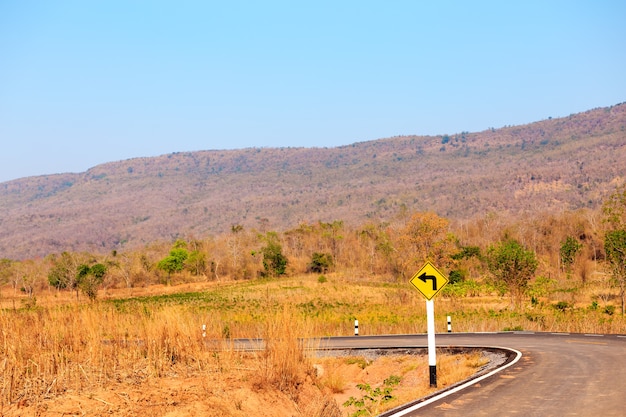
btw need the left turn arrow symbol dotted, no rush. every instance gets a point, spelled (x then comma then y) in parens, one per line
(425, 278)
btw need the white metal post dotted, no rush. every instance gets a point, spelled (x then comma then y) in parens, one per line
(432, 355)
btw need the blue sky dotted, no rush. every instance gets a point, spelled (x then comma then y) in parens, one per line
(88, 82)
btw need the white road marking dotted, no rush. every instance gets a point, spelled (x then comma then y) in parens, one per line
(460, 387)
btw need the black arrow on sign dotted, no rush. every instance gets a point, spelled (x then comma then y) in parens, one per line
(425, 278)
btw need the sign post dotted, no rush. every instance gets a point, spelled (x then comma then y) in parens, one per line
(429, 281)
(432, 355)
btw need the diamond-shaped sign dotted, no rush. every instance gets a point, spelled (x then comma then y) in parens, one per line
(429, 281)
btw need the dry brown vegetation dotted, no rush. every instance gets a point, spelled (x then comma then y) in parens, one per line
(387, 252)
(148, 359)
(520, 171)
(141, 351)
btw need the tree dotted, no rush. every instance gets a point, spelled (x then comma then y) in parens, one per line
(332, 232)
(274, 262)
(89, 278)
(6, 270)
(569, 249)
(426, 236)
(62, 274)
(374, 239)
(614, 210)
(234, 244)
(468, 263)
(174, 262)
(196, 262)
(513, 266)
(30, 272)
(615, 248)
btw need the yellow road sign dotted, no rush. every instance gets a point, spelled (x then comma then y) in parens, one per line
(429, 281)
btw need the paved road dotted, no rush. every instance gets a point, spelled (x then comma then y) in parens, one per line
(557, 375)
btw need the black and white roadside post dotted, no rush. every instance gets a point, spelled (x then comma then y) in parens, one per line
(432, 351)
(429, 281)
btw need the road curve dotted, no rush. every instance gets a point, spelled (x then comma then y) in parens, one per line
(558, 374)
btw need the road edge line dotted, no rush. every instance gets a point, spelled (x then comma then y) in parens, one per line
(436, 397)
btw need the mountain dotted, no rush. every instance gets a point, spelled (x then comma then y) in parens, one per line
(546, 166)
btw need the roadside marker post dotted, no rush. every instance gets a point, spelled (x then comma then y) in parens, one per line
(449, 324)
(429, 281)
(356, 327)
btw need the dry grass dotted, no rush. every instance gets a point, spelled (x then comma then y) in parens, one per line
(51, 351)
(76, 349)
(62, 347)
(284, 361)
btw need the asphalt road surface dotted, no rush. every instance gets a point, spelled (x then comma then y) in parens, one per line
(557, 374)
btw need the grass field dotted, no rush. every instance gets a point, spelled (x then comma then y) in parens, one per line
(134, 347)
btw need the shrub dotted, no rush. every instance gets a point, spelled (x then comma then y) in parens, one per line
(562, 305)
(456, 276)
(274, 262)
(320, 262)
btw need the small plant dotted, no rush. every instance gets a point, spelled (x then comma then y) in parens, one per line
(238, 404)
(322, 279)
(29, 303)
(336, 383)
(517, 328)
(226, 332)
(562, 306)
(360, 361)
(609, 310)
(372, 398)
(542, 287)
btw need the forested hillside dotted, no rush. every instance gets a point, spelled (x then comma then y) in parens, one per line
(545, 167)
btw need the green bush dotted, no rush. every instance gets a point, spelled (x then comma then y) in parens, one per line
(562, 306)
(467, 288)
(320, 262)
(456, 276)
